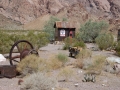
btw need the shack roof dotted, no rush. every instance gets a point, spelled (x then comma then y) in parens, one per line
(60, 24)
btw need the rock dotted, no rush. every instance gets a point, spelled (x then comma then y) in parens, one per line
(113, 59)
(28, 10)
(76, 85)
(2, 58)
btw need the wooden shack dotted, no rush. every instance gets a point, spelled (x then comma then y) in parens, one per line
(63, 30)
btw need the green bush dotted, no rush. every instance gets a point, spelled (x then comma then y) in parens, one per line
(105, 41)
(8, 38)
(62, 57)
(73, 42)
(117, 49)
(68, 42)
(38, 81)
(90, 30)
(79, 44)
(49, 28)
(5, 42)
(38, 39)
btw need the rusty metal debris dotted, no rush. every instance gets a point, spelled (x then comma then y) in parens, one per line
(60, 24)
(19, 50)
(8, 71)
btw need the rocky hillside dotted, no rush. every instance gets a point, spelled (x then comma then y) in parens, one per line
(25, 11)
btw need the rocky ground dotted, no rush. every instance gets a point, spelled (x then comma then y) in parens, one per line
(105, 81)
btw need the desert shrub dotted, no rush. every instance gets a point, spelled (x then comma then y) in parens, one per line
(62, 58)
(66, 73)
(84, 55)
(64, 19)
(90, 30)
(31, 64)
(68, 42)
(104, 41)
(49, 27)
(38, 39)
(117, 48)
(38, 81)
(7, 39)
(57, 61)
(79, 44)
(53, 63)
(98, 63)
(73, 42)
(5, 42)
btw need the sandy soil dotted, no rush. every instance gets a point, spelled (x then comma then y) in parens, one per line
(105, 81)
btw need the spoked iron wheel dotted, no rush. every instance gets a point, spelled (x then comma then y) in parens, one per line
(19, 50)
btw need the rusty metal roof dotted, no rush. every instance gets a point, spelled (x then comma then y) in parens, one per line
(60, 24)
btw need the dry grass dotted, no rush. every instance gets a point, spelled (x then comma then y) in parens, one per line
(38, 23)
(31, 64)
(54, 63)
(66, 73)
(98, 63)
(62, 58)
(38, 81)
(82, 56)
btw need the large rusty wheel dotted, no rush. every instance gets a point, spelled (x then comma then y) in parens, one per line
(19, 50)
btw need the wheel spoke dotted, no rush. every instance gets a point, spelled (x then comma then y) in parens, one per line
(16, 61)
(18, 48)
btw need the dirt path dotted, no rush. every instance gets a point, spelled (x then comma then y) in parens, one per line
(105, 81)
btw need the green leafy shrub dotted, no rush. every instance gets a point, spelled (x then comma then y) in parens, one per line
(90, 30)
(117, 49)
(62, 58)
(5, 42)
(38, 81)
(68, 42)
(73, 42)
(8, 38)
(105, 41)
(38, 39)
(79, 44)
(49, 28)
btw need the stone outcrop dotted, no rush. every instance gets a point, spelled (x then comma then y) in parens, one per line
(27, 10)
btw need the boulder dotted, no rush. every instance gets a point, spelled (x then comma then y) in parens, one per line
(2, 58)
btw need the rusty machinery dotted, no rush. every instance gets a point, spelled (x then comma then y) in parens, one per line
(18, 51)
(73, 51)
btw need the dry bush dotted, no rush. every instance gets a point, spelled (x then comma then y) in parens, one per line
(57, 61)
(82, 56)
(54, 63)
(38, 81)
(98, 63)
(62, 58)
(31, 64)
(66, 73)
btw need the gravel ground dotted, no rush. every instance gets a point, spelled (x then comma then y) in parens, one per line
(105, 81)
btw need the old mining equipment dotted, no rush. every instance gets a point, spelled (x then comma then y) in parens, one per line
(73, 51)
(18, 51)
